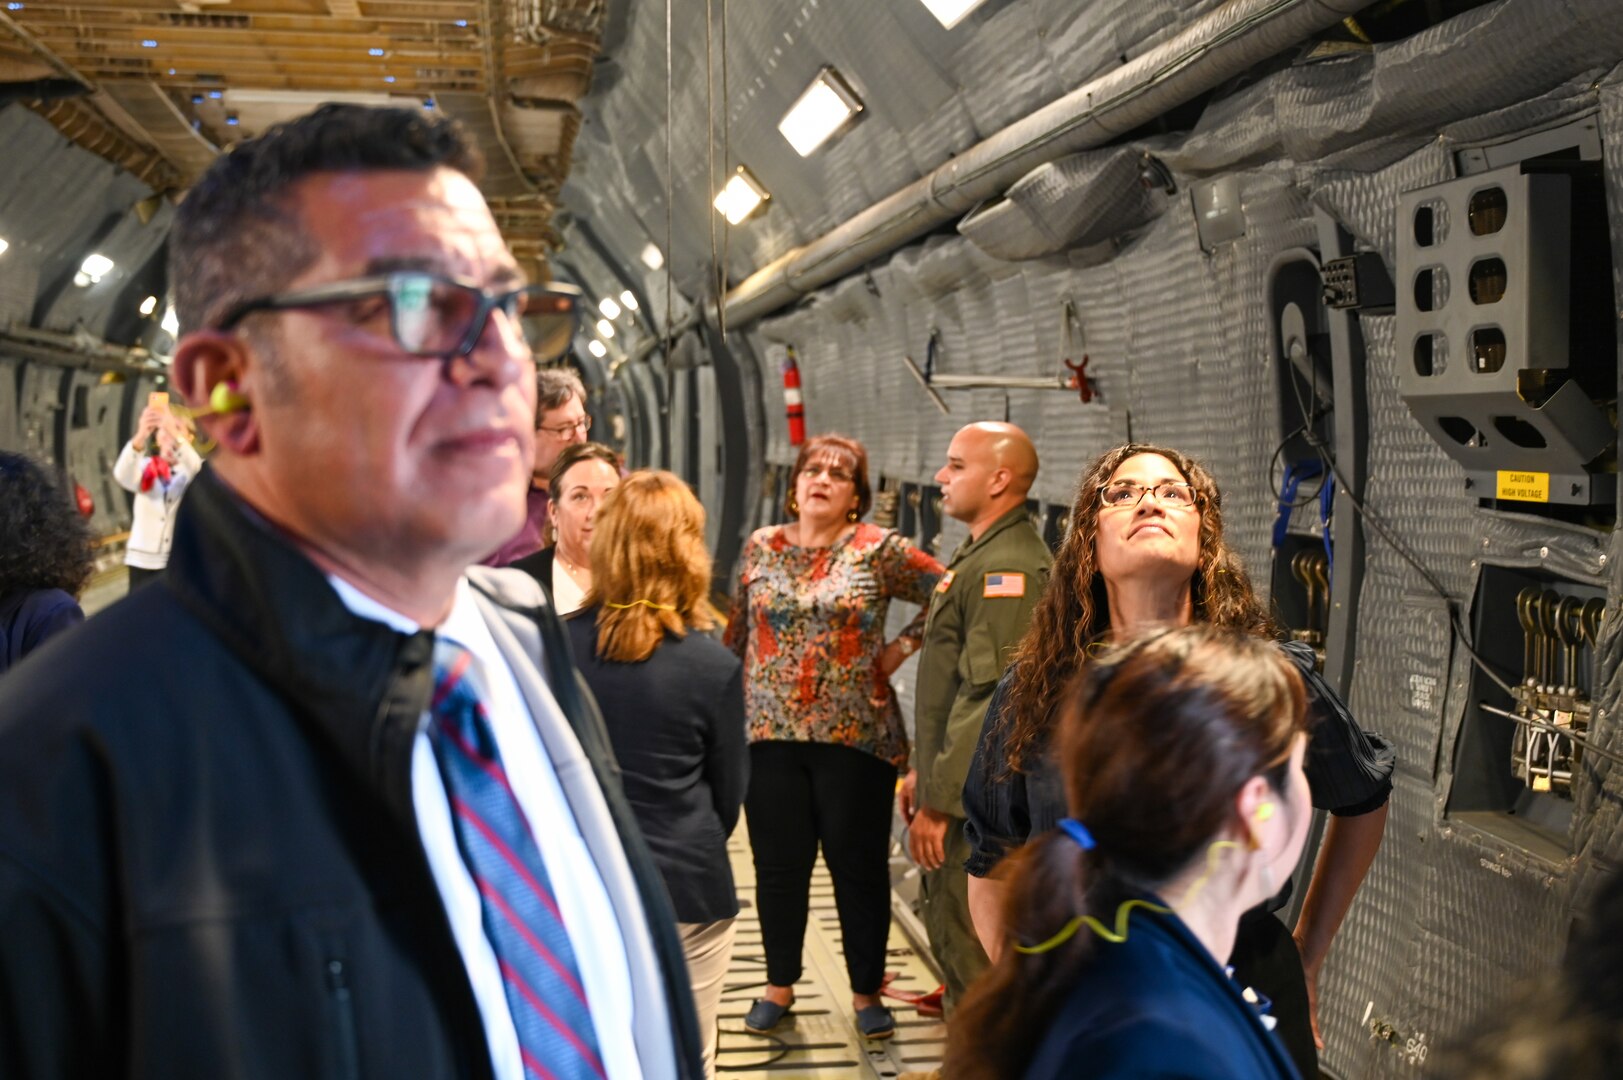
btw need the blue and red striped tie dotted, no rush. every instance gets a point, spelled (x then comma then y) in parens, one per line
(544, 992)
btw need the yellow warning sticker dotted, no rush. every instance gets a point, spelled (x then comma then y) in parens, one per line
(1526, 486)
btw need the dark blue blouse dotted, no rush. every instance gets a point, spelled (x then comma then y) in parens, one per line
(1154, 1007)
(28, 618)
(1348, 769)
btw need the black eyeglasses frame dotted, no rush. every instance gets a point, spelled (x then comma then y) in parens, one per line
(388, 285)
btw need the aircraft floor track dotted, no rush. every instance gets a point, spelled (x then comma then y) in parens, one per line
(819, 1039)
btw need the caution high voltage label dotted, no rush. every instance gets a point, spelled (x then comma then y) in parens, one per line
(1526, 486)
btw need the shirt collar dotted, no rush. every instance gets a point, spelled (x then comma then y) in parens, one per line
(463, 624)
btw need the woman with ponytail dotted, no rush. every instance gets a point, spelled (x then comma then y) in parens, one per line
(673, 703)
(1181, 754)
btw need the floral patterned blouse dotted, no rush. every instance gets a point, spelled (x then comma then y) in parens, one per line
(809, 623)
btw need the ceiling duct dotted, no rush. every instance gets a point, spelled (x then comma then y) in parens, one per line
(1079, 200)
(1219, 46)
(156, 117)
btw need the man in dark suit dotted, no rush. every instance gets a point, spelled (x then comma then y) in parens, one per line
(323, 801)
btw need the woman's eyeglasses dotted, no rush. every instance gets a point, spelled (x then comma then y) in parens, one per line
(837, 473)
(1124, 494)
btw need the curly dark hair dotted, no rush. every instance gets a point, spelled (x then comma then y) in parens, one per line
(1074, 612)
(44, 540)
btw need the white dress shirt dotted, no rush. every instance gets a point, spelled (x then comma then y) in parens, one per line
(588, 912)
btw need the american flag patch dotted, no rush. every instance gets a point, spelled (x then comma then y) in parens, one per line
(1005, 585)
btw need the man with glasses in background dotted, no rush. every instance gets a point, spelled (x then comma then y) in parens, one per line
(325, 801)
(560, 420)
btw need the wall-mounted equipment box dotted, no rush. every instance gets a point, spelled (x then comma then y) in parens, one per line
(1507, 348)
(1519, 755)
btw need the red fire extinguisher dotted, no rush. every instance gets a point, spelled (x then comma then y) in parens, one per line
(792, 399)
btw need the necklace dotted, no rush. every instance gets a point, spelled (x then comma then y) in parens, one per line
(574, 571)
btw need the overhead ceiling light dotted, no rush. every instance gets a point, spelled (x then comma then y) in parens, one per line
(604, 329)
(149, 305)
(949, 13)
(609, 308)
(652, 257)
(826, 106)
(93, 269)
(597, 348)
(742, 196)
(4, 244)
(625, 298)
(171, 323)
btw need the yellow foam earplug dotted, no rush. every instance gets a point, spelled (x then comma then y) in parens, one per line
(225, 399)
(1264, 811)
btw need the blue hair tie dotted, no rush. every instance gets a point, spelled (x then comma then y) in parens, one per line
(1078, 832)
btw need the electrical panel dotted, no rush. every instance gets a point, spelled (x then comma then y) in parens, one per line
(1521, 753)
(1507, 348)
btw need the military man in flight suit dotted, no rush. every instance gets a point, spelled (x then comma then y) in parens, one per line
(978, 614)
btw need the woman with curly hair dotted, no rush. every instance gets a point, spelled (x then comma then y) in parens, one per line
(45, 557)
(1146, 549)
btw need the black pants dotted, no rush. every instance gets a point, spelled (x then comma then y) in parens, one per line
(140, 577)
(1265, 958)
(801, 794)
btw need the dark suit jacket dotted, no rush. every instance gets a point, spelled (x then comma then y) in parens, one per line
(1157, 1007)
(676, 722)
(538, 566)
(212, 867)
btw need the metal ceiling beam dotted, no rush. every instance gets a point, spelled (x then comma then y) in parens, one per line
(43, 51)
(1223, 44)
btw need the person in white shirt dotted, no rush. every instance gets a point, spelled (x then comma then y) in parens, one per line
(371, 825)
(155, 466)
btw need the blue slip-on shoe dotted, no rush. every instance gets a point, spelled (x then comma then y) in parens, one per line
(875, 1022)
(764, 1015)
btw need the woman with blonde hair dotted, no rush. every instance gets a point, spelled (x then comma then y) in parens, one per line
(673, 703)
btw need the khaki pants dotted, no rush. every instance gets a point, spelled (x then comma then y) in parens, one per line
(944, 897)
(709, 950)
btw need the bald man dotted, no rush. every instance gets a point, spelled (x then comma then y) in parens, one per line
(978, 614)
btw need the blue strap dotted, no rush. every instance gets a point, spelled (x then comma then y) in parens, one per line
(1306, 469)
(1327, 502)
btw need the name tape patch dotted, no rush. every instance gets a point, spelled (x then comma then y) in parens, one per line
(1005, 585)
(945, 583)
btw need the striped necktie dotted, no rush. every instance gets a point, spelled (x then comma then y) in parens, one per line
(556, 1038)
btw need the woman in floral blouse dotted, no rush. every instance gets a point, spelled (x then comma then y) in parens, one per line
(826, 735)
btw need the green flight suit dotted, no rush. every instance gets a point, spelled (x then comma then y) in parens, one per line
(978, 614)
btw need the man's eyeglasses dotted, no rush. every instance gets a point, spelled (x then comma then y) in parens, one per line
(1123, 494)
(437, 317)
(563, 431)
